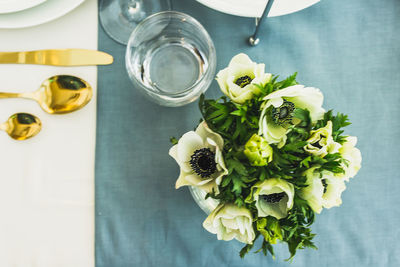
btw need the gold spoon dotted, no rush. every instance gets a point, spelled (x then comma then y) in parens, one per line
(21, 126)
(59, 94)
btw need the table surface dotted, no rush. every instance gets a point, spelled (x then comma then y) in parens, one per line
(348, 49)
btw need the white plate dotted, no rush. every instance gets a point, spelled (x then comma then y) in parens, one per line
(45, 12)
(255, 8)
(7, 6)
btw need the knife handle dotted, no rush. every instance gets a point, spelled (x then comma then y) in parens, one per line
(57, 57)
(17, 57)
(39, 57)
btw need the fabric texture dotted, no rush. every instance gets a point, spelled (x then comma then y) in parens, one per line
(348, 49)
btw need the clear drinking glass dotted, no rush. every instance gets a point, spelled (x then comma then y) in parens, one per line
(120, 17)
(171, 58)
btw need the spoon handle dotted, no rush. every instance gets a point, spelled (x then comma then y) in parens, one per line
(16, 95)
(4, 126)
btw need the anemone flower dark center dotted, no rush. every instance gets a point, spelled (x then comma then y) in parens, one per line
(243, 81)
(283, 115)
(273, 198)
(325, 184)
(317, 144)
(203, 162)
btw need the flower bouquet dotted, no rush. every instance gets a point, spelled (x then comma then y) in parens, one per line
(269, 154)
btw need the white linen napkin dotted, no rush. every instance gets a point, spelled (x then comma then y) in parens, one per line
(47, 182)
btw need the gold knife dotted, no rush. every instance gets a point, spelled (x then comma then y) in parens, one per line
(57, 57)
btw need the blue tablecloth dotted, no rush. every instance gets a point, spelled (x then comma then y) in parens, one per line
(349, 49)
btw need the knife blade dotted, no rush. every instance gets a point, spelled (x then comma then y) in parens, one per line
(57, 57)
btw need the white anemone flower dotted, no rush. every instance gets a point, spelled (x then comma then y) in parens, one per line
(314, 190)
(278, 108)
(229, 221)
(321, 142)
(333, 189)
(353, 156)
(274, 197)
(198, 154)
(323, 190)
(240, 79)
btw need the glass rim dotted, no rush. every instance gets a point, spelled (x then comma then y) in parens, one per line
(210, 45)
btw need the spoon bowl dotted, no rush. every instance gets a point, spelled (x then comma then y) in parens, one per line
(63, 94)
(22, 126)
(59, 94)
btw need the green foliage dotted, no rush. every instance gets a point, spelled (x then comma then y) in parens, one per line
(269, 227)
(291, 80)
(339, 121)
(236, 124)
(296, 231)
(173, 140)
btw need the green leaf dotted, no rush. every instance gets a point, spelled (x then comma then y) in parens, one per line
(303, 115)
(237, 165)
(236, 112)
(248, 179)
(237, 185)
(269, 227)
(339, 121)
(239, 202)
(295, 146)
(289, 81)
(249, 198)
(225, 181)
(225, 126)
(217, 113)
(261, 88)
(246, 249)
(263, 174)
(173, 140)
(306, 162)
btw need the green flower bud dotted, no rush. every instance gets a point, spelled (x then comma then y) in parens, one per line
(258, 151)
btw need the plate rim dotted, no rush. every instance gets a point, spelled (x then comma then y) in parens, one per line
(16, 6)
(51, 7)
(227, 9)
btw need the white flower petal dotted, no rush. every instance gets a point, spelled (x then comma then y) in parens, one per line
(353, 156)
(173, 152)
(234, 89)
(276, 102)
(334, 190)
(210, 186)
(284, 205)
(241, 66)
(259, 71)
(269, 209)
(221, 79)
(229, 221)
(272, 186)
(302, 97)
(314, 191)
(311, 99)
(240, 70)
(203, 137)
(209, 137)
(188, 143)
(182, 181)
(322, 136)
(194, 179)
(241, 59)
